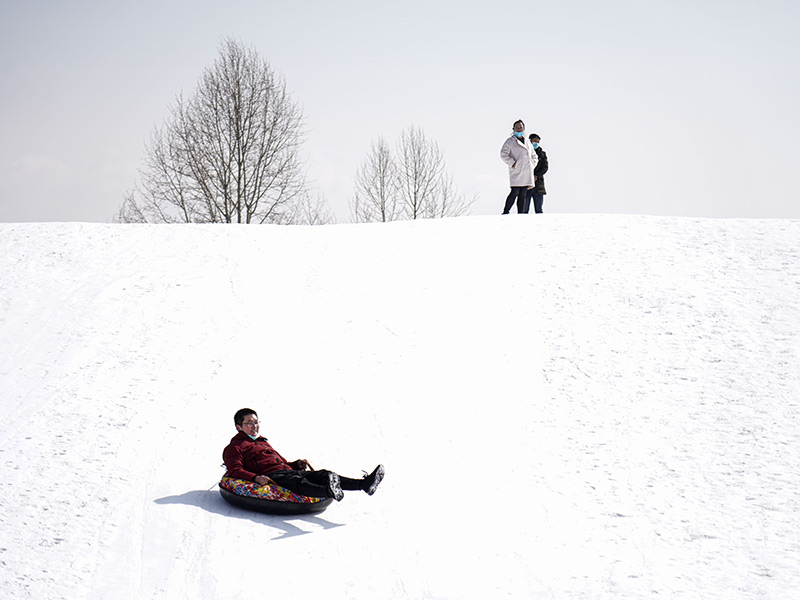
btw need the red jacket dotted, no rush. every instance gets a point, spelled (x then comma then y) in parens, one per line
(246, 458)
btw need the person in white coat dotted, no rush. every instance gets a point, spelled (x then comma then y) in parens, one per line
(518, 154)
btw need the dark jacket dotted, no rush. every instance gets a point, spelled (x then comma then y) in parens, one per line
(246, 458)
(540, 170)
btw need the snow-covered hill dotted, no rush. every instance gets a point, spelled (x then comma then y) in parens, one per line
(568, 406)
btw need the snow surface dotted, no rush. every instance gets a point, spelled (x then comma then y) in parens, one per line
(568, 406)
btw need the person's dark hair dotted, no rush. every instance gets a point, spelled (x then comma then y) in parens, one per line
(534, 135)
(518, 121)
(238, 418)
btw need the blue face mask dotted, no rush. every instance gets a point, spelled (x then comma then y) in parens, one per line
(535, 145)
(519, 134)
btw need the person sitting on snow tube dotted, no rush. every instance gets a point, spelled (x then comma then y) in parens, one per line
(252, 458)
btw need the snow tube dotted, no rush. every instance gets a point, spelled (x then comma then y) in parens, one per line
(270, 498)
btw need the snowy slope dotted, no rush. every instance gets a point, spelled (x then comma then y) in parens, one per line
(568, 406)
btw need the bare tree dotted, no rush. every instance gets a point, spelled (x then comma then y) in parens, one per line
(413, 186)
(228, 154)
(425, 189)
(311, 210)
(376, 186)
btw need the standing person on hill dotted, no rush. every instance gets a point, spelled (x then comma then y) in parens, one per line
(518, 154)
(252, 458)
(537, 192)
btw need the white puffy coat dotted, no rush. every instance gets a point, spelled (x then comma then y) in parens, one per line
(521, 159)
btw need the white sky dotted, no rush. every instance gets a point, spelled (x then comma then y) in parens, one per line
(672, 107)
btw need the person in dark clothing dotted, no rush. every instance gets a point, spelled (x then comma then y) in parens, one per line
(537, 192)
(252, 458)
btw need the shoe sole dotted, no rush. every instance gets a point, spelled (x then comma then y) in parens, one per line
(335, 487)
(379, 473)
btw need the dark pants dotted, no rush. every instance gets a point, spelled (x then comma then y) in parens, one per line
(538, 201)
(312, 483)
(518, 194)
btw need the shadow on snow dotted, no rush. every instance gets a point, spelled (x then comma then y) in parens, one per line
(211, 501)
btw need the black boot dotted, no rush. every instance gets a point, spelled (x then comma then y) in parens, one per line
(373, 480)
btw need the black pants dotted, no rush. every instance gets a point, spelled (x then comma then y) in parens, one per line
(517, 193)
(538, 201)
(312, 483)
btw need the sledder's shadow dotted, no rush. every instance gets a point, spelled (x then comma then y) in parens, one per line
(212, 502)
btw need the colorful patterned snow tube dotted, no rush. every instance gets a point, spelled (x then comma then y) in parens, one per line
(270, 498)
